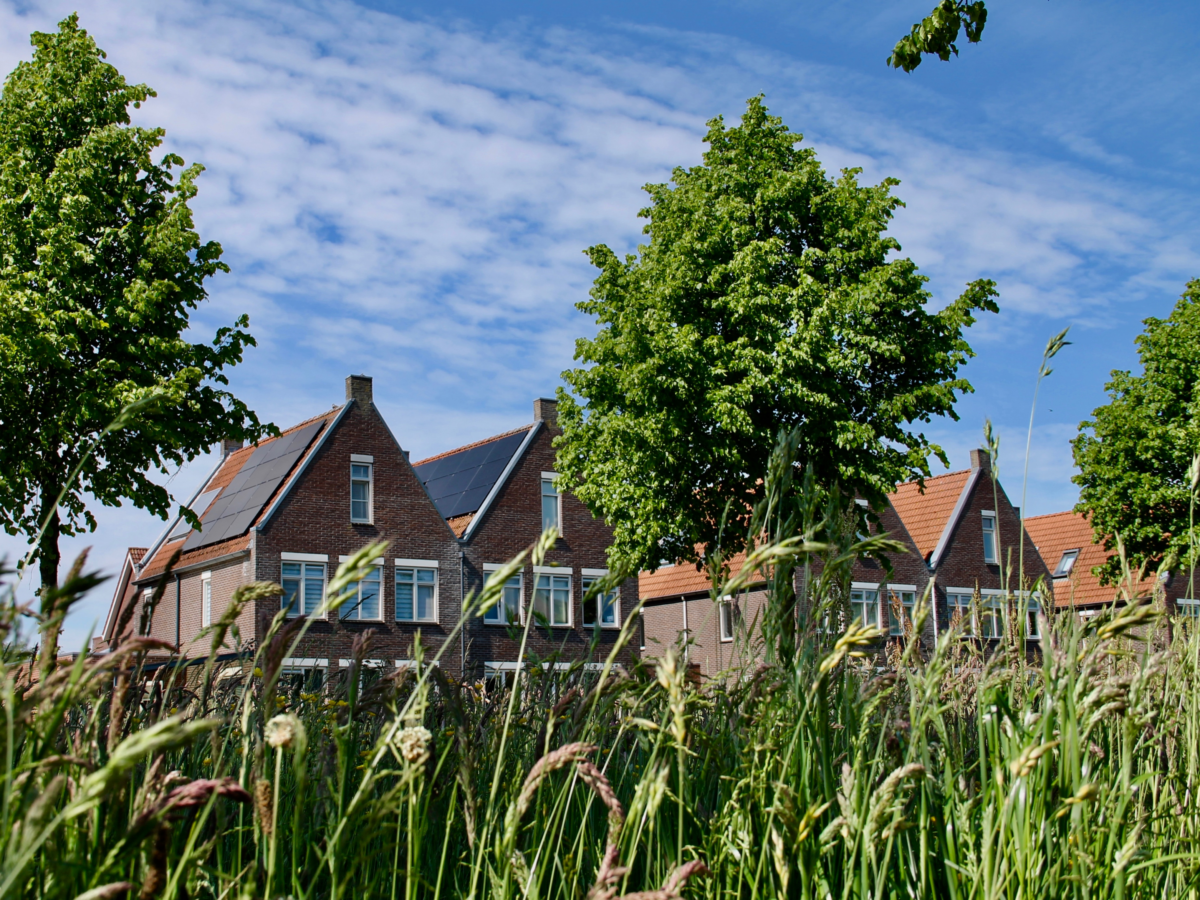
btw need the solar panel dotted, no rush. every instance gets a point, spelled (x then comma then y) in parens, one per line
(460, 482)
(245, 496)
(199, 507)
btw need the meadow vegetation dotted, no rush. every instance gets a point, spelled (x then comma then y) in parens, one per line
(841, 769)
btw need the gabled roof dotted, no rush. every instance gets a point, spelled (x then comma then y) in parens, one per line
(463, 482)
(926, 514)
(240, 494)
(133, 556)
(1057, 533)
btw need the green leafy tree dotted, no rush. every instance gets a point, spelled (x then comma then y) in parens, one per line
(938, 32)
(1135, 454)
(100, 268)
(764, 301)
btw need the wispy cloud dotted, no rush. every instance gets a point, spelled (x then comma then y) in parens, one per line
(410, 199)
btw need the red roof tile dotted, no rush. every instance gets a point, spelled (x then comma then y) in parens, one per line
(675, 581)
(1055, 533)
(925, 513)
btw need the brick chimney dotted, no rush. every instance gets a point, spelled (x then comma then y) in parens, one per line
(981, 459)
(546, 411)
(228, 446)
(358, 387)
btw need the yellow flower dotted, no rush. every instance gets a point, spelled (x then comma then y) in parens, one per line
(257, 672)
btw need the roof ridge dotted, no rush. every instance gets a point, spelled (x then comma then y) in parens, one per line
(917, 481)
(471, 446)
(1065, 512)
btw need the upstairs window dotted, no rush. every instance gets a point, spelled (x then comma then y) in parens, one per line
(864, 606)
(206, 599)
(508, 609)
(1066, 563)
(366, 606)
(902, 601)
(552, 599)
(989, 538)
(551, 504)
(303, 585)
(416, 594)
(361, 472)
(603, 608)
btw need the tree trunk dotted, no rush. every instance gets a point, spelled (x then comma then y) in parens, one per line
(48, 559)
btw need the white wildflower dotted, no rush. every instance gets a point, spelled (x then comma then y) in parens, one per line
(283, 730)
(413, 742)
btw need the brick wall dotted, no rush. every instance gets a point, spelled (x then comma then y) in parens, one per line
(510, 525)
(315, 518)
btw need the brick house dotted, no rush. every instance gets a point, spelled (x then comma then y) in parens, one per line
(1065, 541)
(291, 508)
(958, 530)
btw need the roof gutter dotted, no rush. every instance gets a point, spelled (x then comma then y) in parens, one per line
(308, 457)
(495, 491)
(200, 565)
(952, 522)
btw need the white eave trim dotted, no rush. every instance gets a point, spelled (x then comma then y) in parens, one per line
(500, 482)
(952, 522)
(308, 457)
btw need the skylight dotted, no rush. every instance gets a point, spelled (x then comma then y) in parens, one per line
(1066, 563)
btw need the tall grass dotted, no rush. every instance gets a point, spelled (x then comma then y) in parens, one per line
(962, 771)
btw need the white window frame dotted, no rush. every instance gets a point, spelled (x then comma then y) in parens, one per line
(558, 513)
(304, 559)
(1030, 603)
(588, 577)
(503, 620)
(552, 572)
(968, 611)
(865, 587)
(1188, 608)
(994, 558)
(358, 459)
(414, 565)
(906, 608)
(1059, 571)
(379, 564)
(725, 622)
(993, 606)
(205, 599)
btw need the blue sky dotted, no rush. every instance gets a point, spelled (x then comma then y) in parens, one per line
(404, 189)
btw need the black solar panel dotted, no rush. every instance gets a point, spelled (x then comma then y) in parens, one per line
(245, 496)
(199, 507)
(460, 482)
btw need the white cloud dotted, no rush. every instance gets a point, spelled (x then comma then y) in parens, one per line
(411, 200)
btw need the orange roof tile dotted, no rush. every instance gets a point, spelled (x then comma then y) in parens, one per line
(494, 437)
(675, 581)
(925, 513)
(1055, 533)
(224, 475)
(136, 554)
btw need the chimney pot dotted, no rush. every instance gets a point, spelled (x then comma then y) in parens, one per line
(981, 459)
(229, 445)
(358, 387)
(546, 410)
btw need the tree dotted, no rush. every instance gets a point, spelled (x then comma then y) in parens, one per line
(765, 300)
(1135, 453)
(937, 33)
(100, 267)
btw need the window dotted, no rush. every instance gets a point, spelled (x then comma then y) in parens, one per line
(604, 607)
(1032, 608)
(206, 599)
(991, 616)
(864, 604)
(552, 599)
(508, 609)
(726, 615)
(302, 673)
(1189, 609)
(416, 593)
(989, 538)
(901, 600)
(551, 503)
(303, 586)
(1066, 564)
(958, 605)
(366, 606)
(360, 488)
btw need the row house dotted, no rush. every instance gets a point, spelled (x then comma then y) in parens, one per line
(1068, 544)
(963, 538)
(289, 509)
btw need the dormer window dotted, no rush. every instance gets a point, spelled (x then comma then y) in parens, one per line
(551, 503)
(989, 538)
(361, 482)
(1066, 563)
